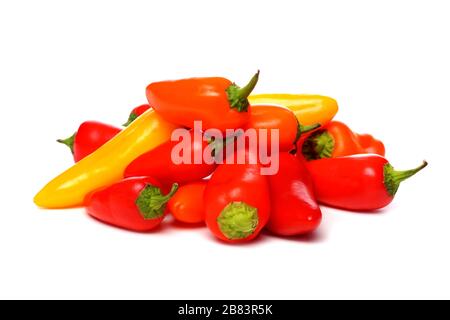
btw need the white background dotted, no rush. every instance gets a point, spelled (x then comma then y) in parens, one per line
(386, 62)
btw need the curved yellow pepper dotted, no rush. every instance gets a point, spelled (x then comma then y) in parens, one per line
(309, 109)
(106, 165)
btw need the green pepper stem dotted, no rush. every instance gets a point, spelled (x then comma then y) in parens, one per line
(238, 220)
(152, 203)
(309, 128)
(319, 145)
(172, 192)
(218, 145)
(393, 178)
(237, 97)
(68, 142)
(244, 92)
(133, 116)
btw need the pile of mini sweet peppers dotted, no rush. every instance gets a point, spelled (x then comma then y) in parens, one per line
(126, 177)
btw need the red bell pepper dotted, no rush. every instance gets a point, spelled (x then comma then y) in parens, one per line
(217, 102)
(362, 182)
(136, 112)
(237, 202)
(90, 136)
(294, 209)
(135, 204)
(187, 204)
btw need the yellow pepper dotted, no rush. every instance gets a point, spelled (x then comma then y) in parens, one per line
(309, 109)
(106, 165)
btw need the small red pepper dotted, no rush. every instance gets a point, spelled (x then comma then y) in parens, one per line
(90, 136)
(271, 117)
(217, 102)
(237, 202)
(338, 140)
(158, 163)
(187, 204)
(294, 209)
(135, 204)
(370, 144)
(136, 112)
(362, 182)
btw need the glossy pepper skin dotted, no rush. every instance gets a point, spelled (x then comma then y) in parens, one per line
(187, 204)
(309, 109)
(338, 140)
(136, 204)
(359, 183)
(294, 209)
(158, 163)
(106, 165)
(370, 144)
(90, 136)
(136, 112)
(217, 102)
(237, 202)
(275, 117)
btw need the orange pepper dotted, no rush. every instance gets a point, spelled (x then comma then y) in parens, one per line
(276, 117)
(217, 102)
